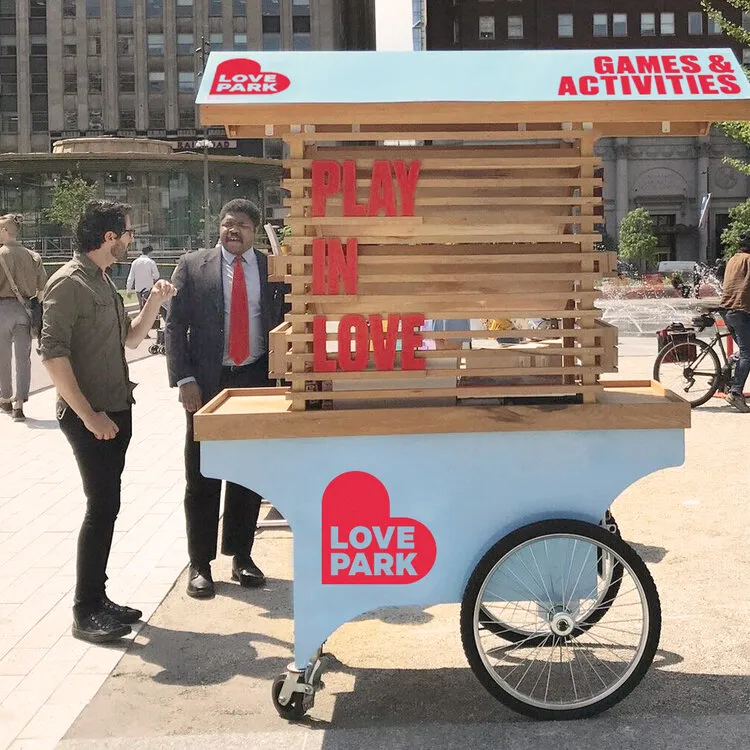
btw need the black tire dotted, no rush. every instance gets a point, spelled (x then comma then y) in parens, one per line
(153, 349)
(604, 540)
(295, 709)
(676, 352)
(493, 625)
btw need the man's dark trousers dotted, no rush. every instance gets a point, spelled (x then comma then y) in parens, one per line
(738, 322)
(202, 495)
(100, 463)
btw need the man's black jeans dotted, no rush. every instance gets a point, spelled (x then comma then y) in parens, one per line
(738, 323)
(100, 463)
(202, 495)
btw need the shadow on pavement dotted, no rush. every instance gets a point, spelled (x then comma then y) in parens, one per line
(41, 424)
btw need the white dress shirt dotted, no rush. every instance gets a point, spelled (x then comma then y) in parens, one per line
(252, 284)
(143, 273)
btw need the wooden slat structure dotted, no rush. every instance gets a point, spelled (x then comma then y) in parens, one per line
(506, 209)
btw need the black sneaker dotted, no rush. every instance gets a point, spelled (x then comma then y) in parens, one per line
(6, 406)
(99, 627)
(126, 615)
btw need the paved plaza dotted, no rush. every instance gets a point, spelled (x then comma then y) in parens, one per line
(198, 674)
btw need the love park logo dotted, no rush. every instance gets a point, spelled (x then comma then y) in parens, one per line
(244, 76)
(362, 543)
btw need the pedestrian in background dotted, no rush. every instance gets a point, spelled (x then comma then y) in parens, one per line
(144, 273)
(22, 279)
(83, 344)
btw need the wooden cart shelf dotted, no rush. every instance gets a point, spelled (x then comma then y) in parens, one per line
(246, 414)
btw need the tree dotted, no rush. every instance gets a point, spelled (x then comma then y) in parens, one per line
(739, 221)
(637, 239)
(68, 200)
(739, 130)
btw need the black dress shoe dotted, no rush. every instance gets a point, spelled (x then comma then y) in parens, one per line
(6, 406)
(126, 615)
(200, 584)
(99, 627)
(247, 572)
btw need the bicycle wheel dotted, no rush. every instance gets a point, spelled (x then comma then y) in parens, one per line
(690, 369)
(546, 572)
(609, 572)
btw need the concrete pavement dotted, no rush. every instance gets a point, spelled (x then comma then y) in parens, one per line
(198, 674)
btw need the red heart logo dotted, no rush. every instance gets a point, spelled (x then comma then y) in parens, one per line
(244, 76)
(362, 543)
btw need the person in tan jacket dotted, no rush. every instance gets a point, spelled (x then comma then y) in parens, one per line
(736, 305)
(21, 274)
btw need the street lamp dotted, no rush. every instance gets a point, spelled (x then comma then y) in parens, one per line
(205, 144)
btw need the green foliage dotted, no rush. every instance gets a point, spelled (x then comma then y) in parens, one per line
(637, 239)
(68, 200)
(739, 221)
(739, 130)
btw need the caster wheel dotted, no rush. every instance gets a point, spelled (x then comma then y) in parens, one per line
(153, 349)
(295, 709)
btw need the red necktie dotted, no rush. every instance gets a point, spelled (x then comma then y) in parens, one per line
(239, 321)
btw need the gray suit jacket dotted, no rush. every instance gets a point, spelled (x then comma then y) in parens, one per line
(195, 324)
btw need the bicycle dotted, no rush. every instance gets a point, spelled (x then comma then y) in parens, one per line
(692, 368)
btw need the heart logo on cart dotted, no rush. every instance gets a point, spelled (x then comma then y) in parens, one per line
(362, 543)
(244, 76)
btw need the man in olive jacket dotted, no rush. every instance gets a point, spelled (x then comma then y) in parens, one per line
(216, 338)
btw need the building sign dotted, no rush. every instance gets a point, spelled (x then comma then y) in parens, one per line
(472, 76)
(189, 144)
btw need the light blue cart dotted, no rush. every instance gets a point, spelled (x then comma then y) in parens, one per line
(560, 618)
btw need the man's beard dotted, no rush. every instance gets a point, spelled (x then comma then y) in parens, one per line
(120, 251)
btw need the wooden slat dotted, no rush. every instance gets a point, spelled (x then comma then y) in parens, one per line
(461, 238)
(462, 313)
(436, 135)
(373, 276)
(489, 372)
(481, 163)
(473, 202)
(488, 183)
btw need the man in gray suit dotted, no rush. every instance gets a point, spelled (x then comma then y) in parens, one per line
(216, 338)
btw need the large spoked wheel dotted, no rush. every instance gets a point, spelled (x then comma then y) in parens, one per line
(690, 369)
(543, 580)
(608, 570)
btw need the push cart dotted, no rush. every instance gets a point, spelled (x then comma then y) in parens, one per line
(436, 187)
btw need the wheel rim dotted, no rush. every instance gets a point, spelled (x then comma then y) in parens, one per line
(561, 664)
(692, 384)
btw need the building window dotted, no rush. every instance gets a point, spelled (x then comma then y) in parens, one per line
(155, 44)
(94, 8)
(667, 24)
(71, 120)
(9, 84)
(125, 44)
(70, 83)
(127, 119)
(69, 8)
(565, 25)
(127, 83)
(95, 45)
(486, 27)
(69, 46)
(38, 9)
(515, 27)
(38, 46)
(95, 82)
(184, 8)
(746, 56)
(619, 24)
(154, 8)
(9, 123)
(156, 81)
(648, 24)
(124, 8)
(239, 8)
(156, 118)
(301, 38)
(215, 9)
(216, 41)
(601, 24)
(714, 27)
(39, 122)
(186, 81)
(39, 83)
(185, 44)
(695, 24)
(7, 46)
(240, 41)
(271, 26)
(746, 20)
(7, 8)
(187, 118)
